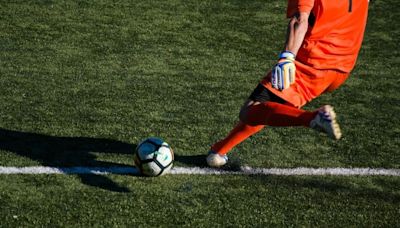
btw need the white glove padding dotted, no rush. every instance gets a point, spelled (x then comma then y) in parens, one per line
(283, 73)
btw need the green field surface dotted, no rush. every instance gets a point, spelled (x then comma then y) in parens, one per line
(82, 82)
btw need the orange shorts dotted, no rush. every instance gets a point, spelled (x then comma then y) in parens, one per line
(309, 84)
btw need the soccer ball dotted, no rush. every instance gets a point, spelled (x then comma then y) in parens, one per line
(153, 157)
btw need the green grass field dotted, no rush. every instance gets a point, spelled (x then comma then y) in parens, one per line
(82, 82)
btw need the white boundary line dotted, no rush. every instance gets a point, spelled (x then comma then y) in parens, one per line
(301, 171)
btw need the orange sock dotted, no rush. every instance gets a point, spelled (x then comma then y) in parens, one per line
(278, 115)
(268, 113)
(241, 132)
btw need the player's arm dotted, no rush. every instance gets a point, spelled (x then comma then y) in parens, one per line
(283, 73)
(297, 29)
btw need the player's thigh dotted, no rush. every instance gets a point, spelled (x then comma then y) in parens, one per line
(259, 95)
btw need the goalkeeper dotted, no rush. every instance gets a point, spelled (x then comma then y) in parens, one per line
(323, 41)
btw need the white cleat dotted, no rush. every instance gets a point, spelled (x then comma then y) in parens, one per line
(325, 121)
(216, 160)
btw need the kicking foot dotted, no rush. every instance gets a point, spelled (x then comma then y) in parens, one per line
(216, 160)
(325, 121)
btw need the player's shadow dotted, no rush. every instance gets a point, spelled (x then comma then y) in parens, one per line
(191, 160)
(200, 161)
(67, 152)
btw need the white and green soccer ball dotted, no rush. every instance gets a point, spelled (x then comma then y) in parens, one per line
(153, 157)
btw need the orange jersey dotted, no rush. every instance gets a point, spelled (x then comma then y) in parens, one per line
(334, 40)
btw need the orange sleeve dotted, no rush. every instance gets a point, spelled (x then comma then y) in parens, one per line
(295, 6)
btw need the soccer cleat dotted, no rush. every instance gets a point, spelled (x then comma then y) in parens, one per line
(216, 160)
(325, 121)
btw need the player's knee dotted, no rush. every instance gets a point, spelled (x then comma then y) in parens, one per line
(247, 111)
(243, 114)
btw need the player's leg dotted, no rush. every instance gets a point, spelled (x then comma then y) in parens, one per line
(310, 83)
(281, 115)
(262, 108)
(217, 155)
(276, 114)
(267, 108)
(239, 133)
(325, 121)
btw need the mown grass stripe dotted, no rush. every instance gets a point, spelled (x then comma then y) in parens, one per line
(301, 171)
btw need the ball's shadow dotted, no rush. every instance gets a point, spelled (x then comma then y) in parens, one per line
(57, 151)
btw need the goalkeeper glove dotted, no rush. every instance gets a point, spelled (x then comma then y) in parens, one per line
(283, 73)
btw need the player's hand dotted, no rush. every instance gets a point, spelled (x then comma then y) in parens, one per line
(283, 73)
